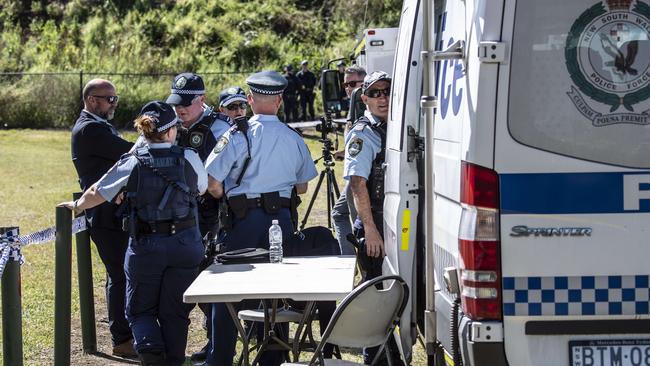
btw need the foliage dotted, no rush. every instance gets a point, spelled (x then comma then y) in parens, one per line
(162, 37)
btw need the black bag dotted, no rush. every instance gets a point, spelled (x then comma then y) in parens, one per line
(312, 241)
(246, 255)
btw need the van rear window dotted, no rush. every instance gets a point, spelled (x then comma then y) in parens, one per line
(580, 79)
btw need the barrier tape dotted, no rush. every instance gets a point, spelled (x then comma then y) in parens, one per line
(9, 242)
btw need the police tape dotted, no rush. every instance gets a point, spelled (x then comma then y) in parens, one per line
(11, 242)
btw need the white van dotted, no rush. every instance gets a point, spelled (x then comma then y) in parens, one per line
(376, 50)
(518, 181)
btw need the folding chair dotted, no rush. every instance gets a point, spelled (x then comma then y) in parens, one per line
(366, 317)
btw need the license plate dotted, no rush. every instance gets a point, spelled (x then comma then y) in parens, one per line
(611, 352)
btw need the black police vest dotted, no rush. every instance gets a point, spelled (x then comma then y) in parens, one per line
(375, 182)
(200, 137)
(152, 184)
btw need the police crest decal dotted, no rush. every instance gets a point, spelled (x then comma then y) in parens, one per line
(221, 144)
(607, 55)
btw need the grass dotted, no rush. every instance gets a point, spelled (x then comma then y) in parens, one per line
(37, 173)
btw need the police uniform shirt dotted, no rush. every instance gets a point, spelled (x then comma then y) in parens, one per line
(118, 176)
(362, 144)
(280, 159)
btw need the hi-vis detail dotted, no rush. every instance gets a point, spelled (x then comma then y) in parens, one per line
(518, 142)
(608, 58)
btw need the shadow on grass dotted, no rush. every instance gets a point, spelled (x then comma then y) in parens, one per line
(129, 361)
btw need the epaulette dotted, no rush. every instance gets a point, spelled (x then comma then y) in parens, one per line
(294, 130)
(360, 123)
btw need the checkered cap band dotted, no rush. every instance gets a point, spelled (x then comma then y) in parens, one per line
(167, 126)
(181, 91)
(258, 90)
(576, 295)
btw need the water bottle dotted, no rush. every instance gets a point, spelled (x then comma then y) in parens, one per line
(275, 242)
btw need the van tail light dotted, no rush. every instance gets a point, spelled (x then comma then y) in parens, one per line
(479, 243)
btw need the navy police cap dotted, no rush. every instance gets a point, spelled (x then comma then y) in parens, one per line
(162, 114)
(267, 82)
(232, 94)
(374, 77)
(185, 88)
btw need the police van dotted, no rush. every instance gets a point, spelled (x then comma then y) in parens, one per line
(518, 181)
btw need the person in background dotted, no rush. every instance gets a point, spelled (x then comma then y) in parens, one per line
(307, 83)
(290, 95)
(96, 147)
(202, 126)
(343, 211)
(233, 103)
(256, 170)
(162, 181)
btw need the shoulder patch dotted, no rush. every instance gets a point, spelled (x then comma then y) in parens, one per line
(221, 144)
(355, 146)
(196, 139)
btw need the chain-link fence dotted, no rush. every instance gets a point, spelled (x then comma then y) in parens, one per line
(53, 100)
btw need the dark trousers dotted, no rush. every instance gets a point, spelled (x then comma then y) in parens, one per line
(307, 99)
(111, 246)
(290, 109)
(159, 268)
(207, 224)
(249, 232)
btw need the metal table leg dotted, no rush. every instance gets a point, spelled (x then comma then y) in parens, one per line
(240, 329)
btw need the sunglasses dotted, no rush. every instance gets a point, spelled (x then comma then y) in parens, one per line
(376, 93)
(111, 99)
(352, 84)
(233, 106)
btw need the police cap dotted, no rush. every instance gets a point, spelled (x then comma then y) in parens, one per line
(162, 114)
(232, 94)
(185, 88)
(304, 62)
(267, 82)
(374, 77)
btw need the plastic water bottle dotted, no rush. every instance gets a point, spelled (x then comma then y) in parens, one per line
(275, 242)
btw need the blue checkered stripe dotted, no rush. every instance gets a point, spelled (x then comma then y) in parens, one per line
(579, 295)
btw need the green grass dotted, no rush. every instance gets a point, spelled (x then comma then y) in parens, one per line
(37, 173)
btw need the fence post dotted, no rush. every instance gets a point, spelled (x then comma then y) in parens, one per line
(62, 286)
(81, 89)
(86, 297)
(12, 320)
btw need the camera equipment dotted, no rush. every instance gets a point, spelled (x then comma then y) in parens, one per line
(331, 88)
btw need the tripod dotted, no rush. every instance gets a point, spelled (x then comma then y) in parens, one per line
(333, 192)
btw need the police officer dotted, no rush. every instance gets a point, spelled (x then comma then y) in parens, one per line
(162, 182)
(290, 95)
(96, 147)
(233, 103)
(365, 148)
(342, 210)
(202, 126)
(307, 83)
(256, 170)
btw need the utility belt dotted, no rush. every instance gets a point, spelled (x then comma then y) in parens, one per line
(239, 205)
(164, 227)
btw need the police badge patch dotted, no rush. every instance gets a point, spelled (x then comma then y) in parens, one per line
(180, 83)
(355, 146)
(221, 144)
(196, 139)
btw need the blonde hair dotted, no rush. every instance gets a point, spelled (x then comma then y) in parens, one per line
(146, 126)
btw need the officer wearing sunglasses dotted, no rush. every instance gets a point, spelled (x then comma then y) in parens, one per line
(202, 128)
(365, 149)
(233, 103)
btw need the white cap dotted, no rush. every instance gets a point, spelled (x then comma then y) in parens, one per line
(275, 222)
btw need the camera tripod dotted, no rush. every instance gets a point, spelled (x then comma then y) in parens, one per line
(326, 174)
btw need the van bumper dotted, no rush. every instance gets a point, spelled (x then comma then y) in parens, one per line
(480, 352)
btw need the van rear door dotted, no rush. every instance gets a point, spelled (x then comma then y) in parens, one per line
(572, 150)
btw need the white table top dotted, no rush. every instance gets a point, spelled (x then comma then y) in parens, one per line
(324, 278)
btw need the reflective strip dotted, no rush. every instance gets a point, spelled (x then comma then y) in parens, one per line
(181, 91)
(406, 229)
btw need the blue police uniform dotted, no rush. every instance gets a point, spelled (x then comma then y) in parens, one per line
(96, 147)
(261, 165)
(162, 182)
